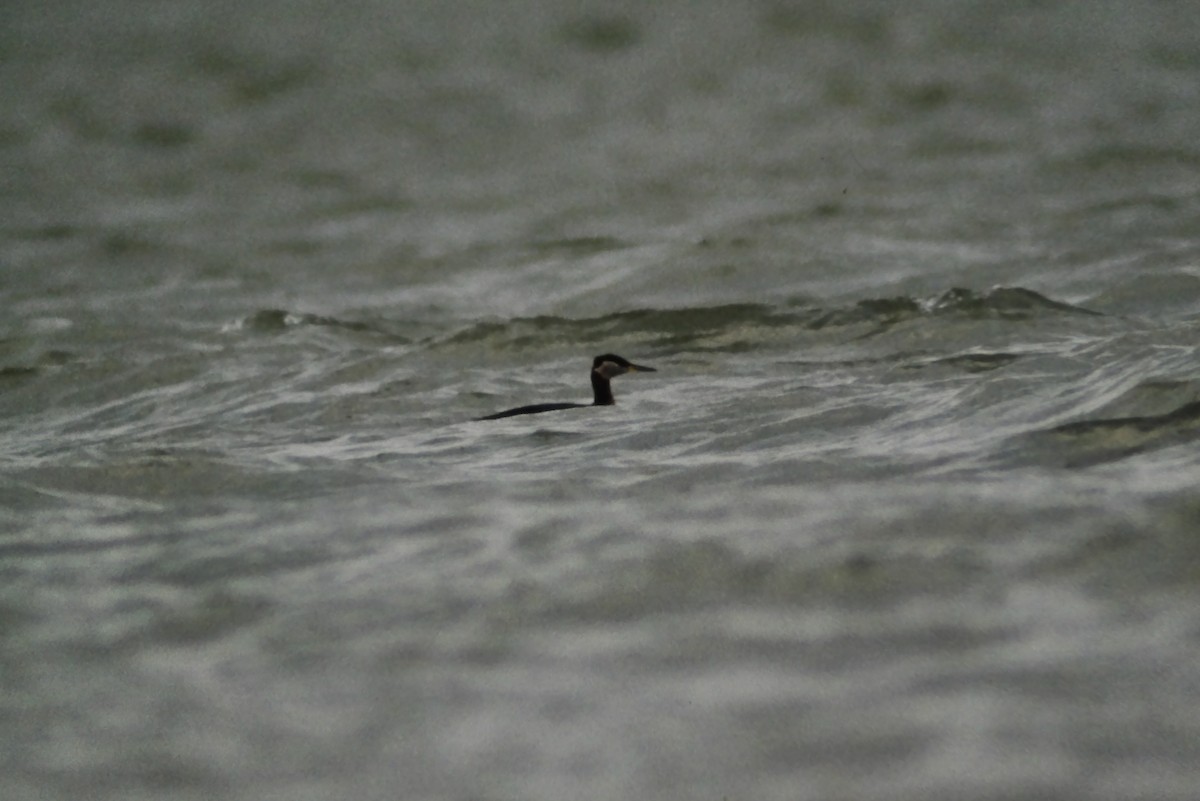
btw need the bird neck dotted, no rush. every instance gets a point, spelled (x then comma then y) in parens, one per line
(601, 390)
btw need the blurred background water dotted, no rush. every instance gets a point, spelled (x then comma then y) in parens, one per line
(909, 509)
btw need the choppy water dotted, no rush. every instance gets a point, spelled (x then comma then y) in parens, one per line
(909, 509)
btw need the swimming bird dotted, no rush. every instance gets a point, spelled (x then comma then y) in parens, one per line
(604, 369)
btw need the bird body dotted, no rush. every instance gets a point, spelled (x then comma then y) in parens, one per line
(604, 369)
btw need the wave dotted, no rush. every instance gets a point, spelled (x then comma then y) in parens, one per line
(738, 326)
(272, 321)
(1153, 415)
(269, 320)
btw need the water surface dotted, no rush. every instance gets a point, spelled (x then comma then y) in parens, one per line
(907, 511)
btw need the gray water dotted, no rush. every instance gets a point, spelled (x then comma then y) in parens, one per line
(909, 510)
